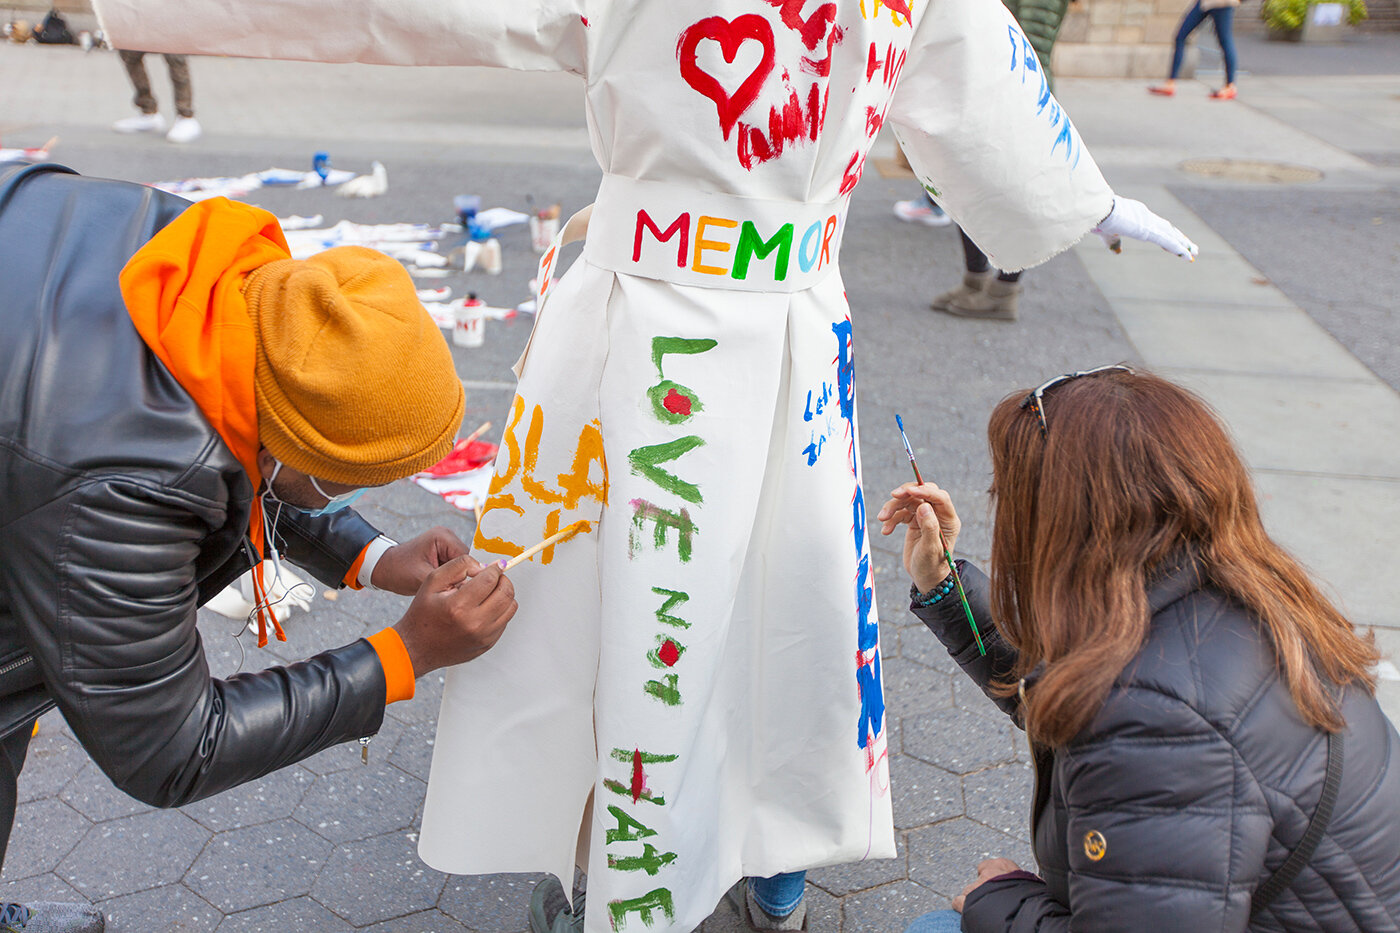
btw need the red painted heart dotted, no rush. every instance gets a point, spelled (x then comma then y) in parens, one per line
(730, 35)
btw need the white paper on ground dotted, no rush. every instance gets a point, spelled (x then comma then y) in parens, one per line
(466, 491)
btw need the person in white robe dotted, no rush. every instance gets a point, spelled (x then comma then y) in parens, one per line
(691, 690)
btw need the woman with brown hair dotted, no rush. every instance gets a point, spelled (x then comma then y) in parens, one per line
(1187, 689)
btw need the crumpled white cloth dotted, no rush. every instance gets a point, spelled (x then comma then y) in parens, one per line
(1135, 220)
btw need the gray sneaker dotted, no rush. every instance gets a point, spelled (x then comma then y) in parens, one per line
(48, 917)
(549, 909)
(749, 911)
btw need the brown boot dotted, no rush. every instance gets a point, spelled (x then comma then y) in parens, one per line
(996, 302)
(973, 283)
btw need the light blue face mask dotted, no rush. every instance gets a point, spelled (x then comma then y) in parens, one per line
(335, 503)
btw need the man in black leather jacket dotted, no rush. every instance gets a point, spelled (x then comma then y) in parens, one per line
(131, 464)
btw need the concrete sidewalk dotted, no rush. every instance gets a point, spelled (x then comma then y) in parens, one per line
(329, 844)
(1320, 429)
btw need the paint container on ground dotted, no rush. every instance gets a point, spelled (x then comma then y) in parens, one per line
(469, 322)
(544, 227)
(491, 257)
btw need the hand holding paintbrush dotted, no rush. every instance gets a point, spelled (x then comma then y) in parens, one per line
(933, 529)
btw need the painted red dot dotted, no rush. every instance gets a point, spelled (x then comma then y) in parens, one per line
(639, 777)
(669, 653)
(676, 403)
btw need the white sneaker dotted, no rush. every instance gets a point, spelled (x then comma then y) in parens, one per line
(185, 130)
(141, 123)
(921, 212)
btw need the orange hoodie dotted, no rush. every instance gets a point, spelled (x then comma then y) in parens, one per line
(184, 292)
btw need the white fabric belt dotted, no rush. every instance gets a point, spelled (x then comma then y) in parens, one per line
(689, 237)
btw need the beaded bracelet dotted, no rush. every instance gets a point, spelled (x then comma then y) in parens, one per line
(933, 596)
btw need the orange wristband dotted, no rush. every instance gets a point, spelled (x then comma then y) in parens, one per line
(352, 576)
(398, 669)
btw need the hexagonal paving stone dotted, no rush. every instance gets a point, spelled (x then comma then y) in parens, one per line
(889, 909)
(245, 868)
(490, 903)
(94, 795)
(376, 608)
(300, 913)
(324, 628)
(957, 740)
(428, 921)
(913, 688)
(132, 854)
(54, 759)
(407, 500)
(269, 798)
(918, 644)
(171, 908)
(841, 880)
(1001, 798)
(228, 655)
(893, 739)
(44, 832)
(892, 599)
(349, 755)
(923, 794)
(944, 857)
(823, 911)
(414, 751)
(378, 879)
(47, 887)
(360, 802)
(969, 696)
(423, 708)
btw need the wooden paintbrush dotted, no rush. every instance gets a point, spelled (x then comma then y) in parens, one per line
(947, 555)
(562, 535)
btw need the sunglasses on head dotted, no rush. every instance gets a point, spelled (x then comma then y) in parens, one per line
(1035, 399)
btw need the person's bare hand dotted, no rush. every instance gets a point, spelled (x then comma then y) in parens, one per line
(403, 568)
(458, 614)
(987, 869)
(926, 510)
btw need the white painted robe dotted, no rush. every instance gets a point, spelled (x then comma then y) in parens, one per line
(704, 663)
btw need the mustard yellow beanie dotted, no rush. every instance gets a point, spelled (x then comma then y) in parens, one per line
(354, 382)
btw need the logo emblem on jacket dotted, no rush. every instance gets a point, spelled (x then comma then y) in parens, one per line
(1095, 845)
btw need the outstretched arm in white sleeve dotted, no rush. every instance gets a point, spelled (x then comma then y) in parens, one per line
(976, 118)
(528, 35)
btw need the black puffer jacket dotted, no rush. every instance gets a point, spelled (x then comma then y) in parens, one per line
(122, 510)
(1200, 777)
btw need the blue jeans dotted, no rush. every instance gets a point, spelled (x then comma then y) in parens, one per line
(780, 894)
(1223, 18)
(940, 921)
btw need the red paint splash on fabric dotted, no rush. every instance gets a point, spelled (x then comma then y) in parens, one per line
(676, 403)
(730, 35)
(812, 29)
(639, 777)
(793, 123)
(669, 653)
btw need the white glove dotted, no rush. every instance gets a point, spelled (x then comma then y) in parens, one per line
(1132, 219)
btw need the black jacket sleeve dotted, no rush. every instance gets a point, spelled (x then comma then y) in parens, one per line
(1166, 829)
(325, 546)
(948, 621)
(102, 581)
